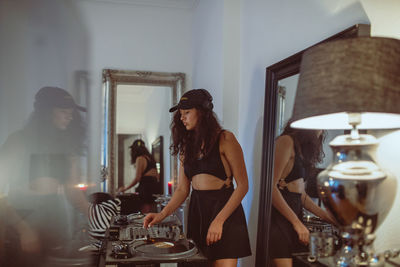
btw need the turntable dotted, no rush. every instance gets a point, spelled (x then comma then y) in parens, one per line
(315, 224)
(129, 244)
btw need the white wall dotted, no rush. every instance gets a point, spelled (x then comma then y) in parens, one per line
(132, 37)
(207, 50)
(125, 124)
(387, 235)
(216, 50)
(158, 120)
(42, 44)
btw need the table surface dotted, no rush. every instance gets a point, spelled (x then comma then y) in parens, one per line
(301, 258)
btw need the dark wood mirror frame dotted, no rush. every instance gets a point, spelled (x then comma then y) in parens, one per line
(283, 69)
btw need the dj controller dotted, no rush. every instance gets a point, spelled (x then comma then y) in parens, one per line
(129, 244)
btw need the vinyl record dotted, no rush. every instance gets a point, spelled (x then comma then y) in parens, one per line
(162, 248)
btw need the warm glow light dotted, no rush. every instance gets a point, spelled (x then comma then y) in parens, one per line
(338, 121)
(82, 186)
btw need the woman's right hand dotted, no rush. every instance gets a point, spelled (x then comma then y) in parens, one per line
(152, 218)
(121, 189)
(302, 232)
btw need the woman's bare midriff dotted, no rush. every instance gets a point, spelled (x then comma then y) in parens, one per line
(205, 181)
(296, 186)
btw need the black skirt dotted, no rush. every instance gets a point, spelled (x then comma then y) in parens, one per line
(147, 187)
(283, 239)
(203, 208)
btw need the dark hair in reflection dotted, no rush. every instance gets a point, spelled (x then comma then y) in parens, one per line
(47, 138)
(307, 144)
(189, 143)
(138, 149)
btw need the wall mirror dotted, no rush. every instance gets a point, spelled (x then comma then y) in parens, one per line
(280, 89)
(135, 106)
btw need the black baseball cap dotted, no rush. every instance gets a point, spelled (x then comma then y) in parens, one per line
(194, 98)
(54, 97)
(137, 143)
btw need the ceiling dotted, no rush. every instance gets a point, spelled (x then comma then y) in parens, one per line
(187, 4)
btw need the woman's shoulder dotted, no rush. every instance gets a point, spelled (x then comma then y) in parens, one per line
(228, 141)
(226, 134)
(141, 159)
(227, 137)
(285, 140)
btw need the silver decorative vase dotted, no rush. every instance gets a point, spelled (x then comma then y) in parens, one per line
(359, 195)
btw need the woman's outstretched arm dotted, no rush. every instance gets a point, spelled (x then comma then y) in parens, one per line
(316, 210)
(179, 196)
(141, 164)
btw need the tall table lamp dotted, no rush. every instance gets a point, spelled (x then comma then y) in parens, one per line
(352, 84)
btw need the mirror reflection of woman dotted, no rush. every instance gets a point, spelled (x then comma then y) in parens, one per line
(146, 175)
(210, 158)
(297, 152)
(39, 163)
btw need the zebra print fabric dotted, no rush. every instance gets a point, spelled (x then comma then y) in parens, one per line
(100, 217)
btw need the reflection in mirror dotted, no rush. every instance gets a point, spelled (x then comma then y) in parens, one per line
(141, 113)
(157, 150)
(125, 171)
(278, 109)
(286, 94)
(136, 106)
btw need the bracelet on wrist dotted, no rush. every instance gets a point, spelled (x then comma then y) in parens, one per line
(163, 213)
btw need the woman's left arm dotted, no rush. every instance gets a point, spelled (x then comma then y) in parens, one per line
(309, 205)
(232, 151)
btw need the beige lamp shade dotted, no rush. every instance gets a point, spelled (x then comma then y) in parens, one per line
(357, 75)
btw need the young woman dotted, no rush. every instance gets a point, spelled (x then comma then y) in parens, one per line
(39, 163)
(296, 153)
(146, 175)
(210, 158)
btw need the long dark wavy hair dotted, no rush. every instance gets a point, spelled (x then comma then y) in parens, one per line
(308, 145)
(197, 142)
(138, 149)
(46, 138)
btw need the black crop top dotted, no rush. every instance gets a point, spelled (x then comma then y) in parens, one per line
(209, 164)
(298, 170)
(56, 166)
(151, 164)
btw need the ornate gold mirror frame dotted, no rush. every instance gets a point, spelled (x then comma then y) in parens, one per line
(111, 79)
